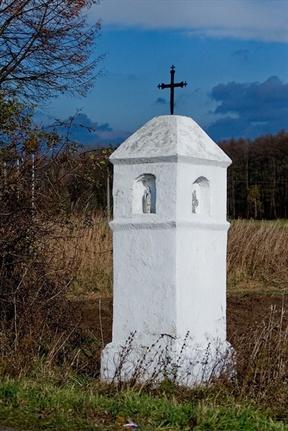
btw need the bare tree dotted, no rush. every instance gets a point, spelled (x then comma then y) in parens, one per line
(47, 47)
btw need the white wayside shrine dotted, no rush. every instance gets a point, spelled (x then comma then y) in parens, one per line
(169, 251)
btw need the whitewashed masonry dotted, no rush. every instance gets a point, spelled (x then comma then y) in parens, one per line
(169, 253)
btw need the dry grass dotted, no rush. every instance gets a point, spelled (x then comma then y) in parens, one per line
(257, 254)
(85, 244)
(262, 366)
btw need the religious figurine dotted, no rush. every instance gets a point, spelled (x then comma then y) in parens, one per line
(146, 200)
(195, 202)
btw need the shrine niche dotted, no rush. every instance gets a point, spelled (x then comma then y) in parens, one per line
(144, 195)
(201, 196)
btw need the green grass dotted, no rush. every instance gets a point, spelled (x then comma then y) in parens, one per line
(76, 405)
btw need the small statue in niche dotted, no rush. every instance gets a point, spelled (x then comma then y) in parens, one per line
(195, 202)
(147, 200)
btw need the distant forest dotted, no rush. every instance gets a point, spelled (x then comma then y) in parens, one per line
(73, 181)
(258, 177)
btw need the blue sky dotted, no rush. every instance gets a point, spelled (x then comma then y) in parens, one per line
(232, 53)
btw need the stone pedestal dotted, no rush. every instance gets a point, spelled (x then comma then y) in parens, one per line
(169, 254)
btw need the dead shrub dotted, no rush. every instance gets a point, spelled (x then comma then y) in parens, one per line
(33, 309)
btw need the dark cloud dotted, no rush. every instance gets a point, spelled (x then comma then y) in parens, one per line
(105, 127)
(87, 132)
(250, 109)
(82, 119)
(161, 101)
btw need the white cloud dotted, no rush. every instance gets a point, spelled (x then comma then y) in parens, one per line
(245, 19)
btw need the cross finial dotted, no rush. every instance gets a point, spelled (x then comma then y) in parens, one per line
(172, 85)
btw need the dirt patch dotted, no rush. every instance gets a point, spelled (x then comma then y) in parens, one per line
(244, 314)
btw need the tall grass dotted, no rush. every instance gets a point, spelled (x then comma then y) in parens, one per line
(87, 242)
(262, 366)
(83, 247)
(257, 254)
(255, 399)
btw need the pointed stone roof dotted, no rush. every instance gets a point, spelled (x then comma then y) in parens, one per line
(171, 137)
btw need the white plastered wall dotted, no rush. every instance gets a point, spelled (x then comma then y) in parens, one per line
(201, 254)
(169, 267)
(144, 255)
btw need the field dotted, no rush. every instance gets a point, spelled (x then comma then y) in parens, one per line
(257, 255)
(67, 394)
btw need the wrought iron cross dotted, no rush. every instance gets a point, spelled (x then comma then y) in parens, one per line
(172, 85)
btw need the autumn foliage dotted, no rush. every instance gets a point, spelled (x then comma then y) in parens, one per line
(47, 47)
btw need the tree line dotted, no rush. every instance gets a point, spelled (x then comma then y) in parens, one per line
(48, 48)
(68, 179)
(258, 177)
